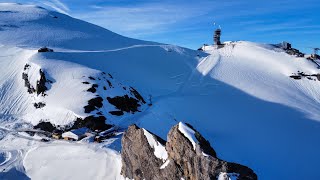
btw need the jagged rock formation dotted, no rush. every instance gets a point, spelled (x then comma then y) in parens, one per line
(146, 156)
(41, 87)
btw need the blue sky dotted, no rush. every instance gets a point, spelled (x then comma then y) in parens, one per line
(190, 23)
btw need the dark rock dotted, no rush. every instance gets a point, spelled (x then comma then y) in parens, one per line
(27, 83)
(26, 67)
(45, 49)
(85, 82)
(116, 113)
(31, 133)
(105, 88)
(125, 103)
(45, 126)
(92, 122)
(93, 104)
(110, 76)
(93, 88)
(137, 95)
(44, 140)
(39, 105)
(41, 84)
(185, 161)
(91, 78)
(301, 75)
(109, 83)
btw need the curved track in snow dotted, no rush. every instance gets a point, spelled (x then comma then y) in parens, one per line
(10, 159)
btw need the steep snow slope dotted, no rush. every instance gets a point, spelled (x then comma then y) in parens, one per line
(240, 97)
(13, 95)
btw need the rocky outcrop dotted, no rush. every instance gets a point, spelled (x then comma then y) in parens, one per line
(146, 156)
(93, 104)
(45, 49)
(92, 122)
(41, 84)
(41, 87)
(125, 103)
(300, 75)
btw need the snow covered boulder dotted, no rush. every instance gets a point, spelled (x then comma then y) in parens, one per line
(186, 155)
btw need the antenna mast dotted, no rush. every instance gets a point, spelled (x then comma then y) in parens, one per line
(217, 35)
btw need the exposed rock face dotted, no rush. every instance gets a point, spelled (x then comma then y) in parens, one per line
(41, 87)
(125, 103)
(45, 126)
(92, 122)
(139, 159)
(137, 154)
(93, 104)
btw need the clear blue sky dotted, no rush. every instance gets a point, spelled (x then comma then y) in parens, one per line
(190, 23)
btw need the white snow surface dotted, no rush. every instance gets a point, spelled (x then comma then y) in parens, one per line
(188, 133)
(33, 26)
(236, 96)
(72, 161)
(159, 149)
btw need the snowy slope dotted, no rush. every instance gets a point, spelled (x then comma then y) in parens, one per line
(32, 26)
(240, 97)
(67, 94)
(262, 71)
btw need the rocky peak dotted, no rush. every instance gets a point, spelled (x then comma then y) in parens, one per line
(189, 156)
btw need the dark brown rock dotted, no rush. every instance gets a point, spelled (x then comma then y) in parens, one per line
(138, 159)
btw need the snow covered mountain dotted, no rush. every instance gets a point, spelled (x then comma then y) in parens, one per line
(240, 97)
